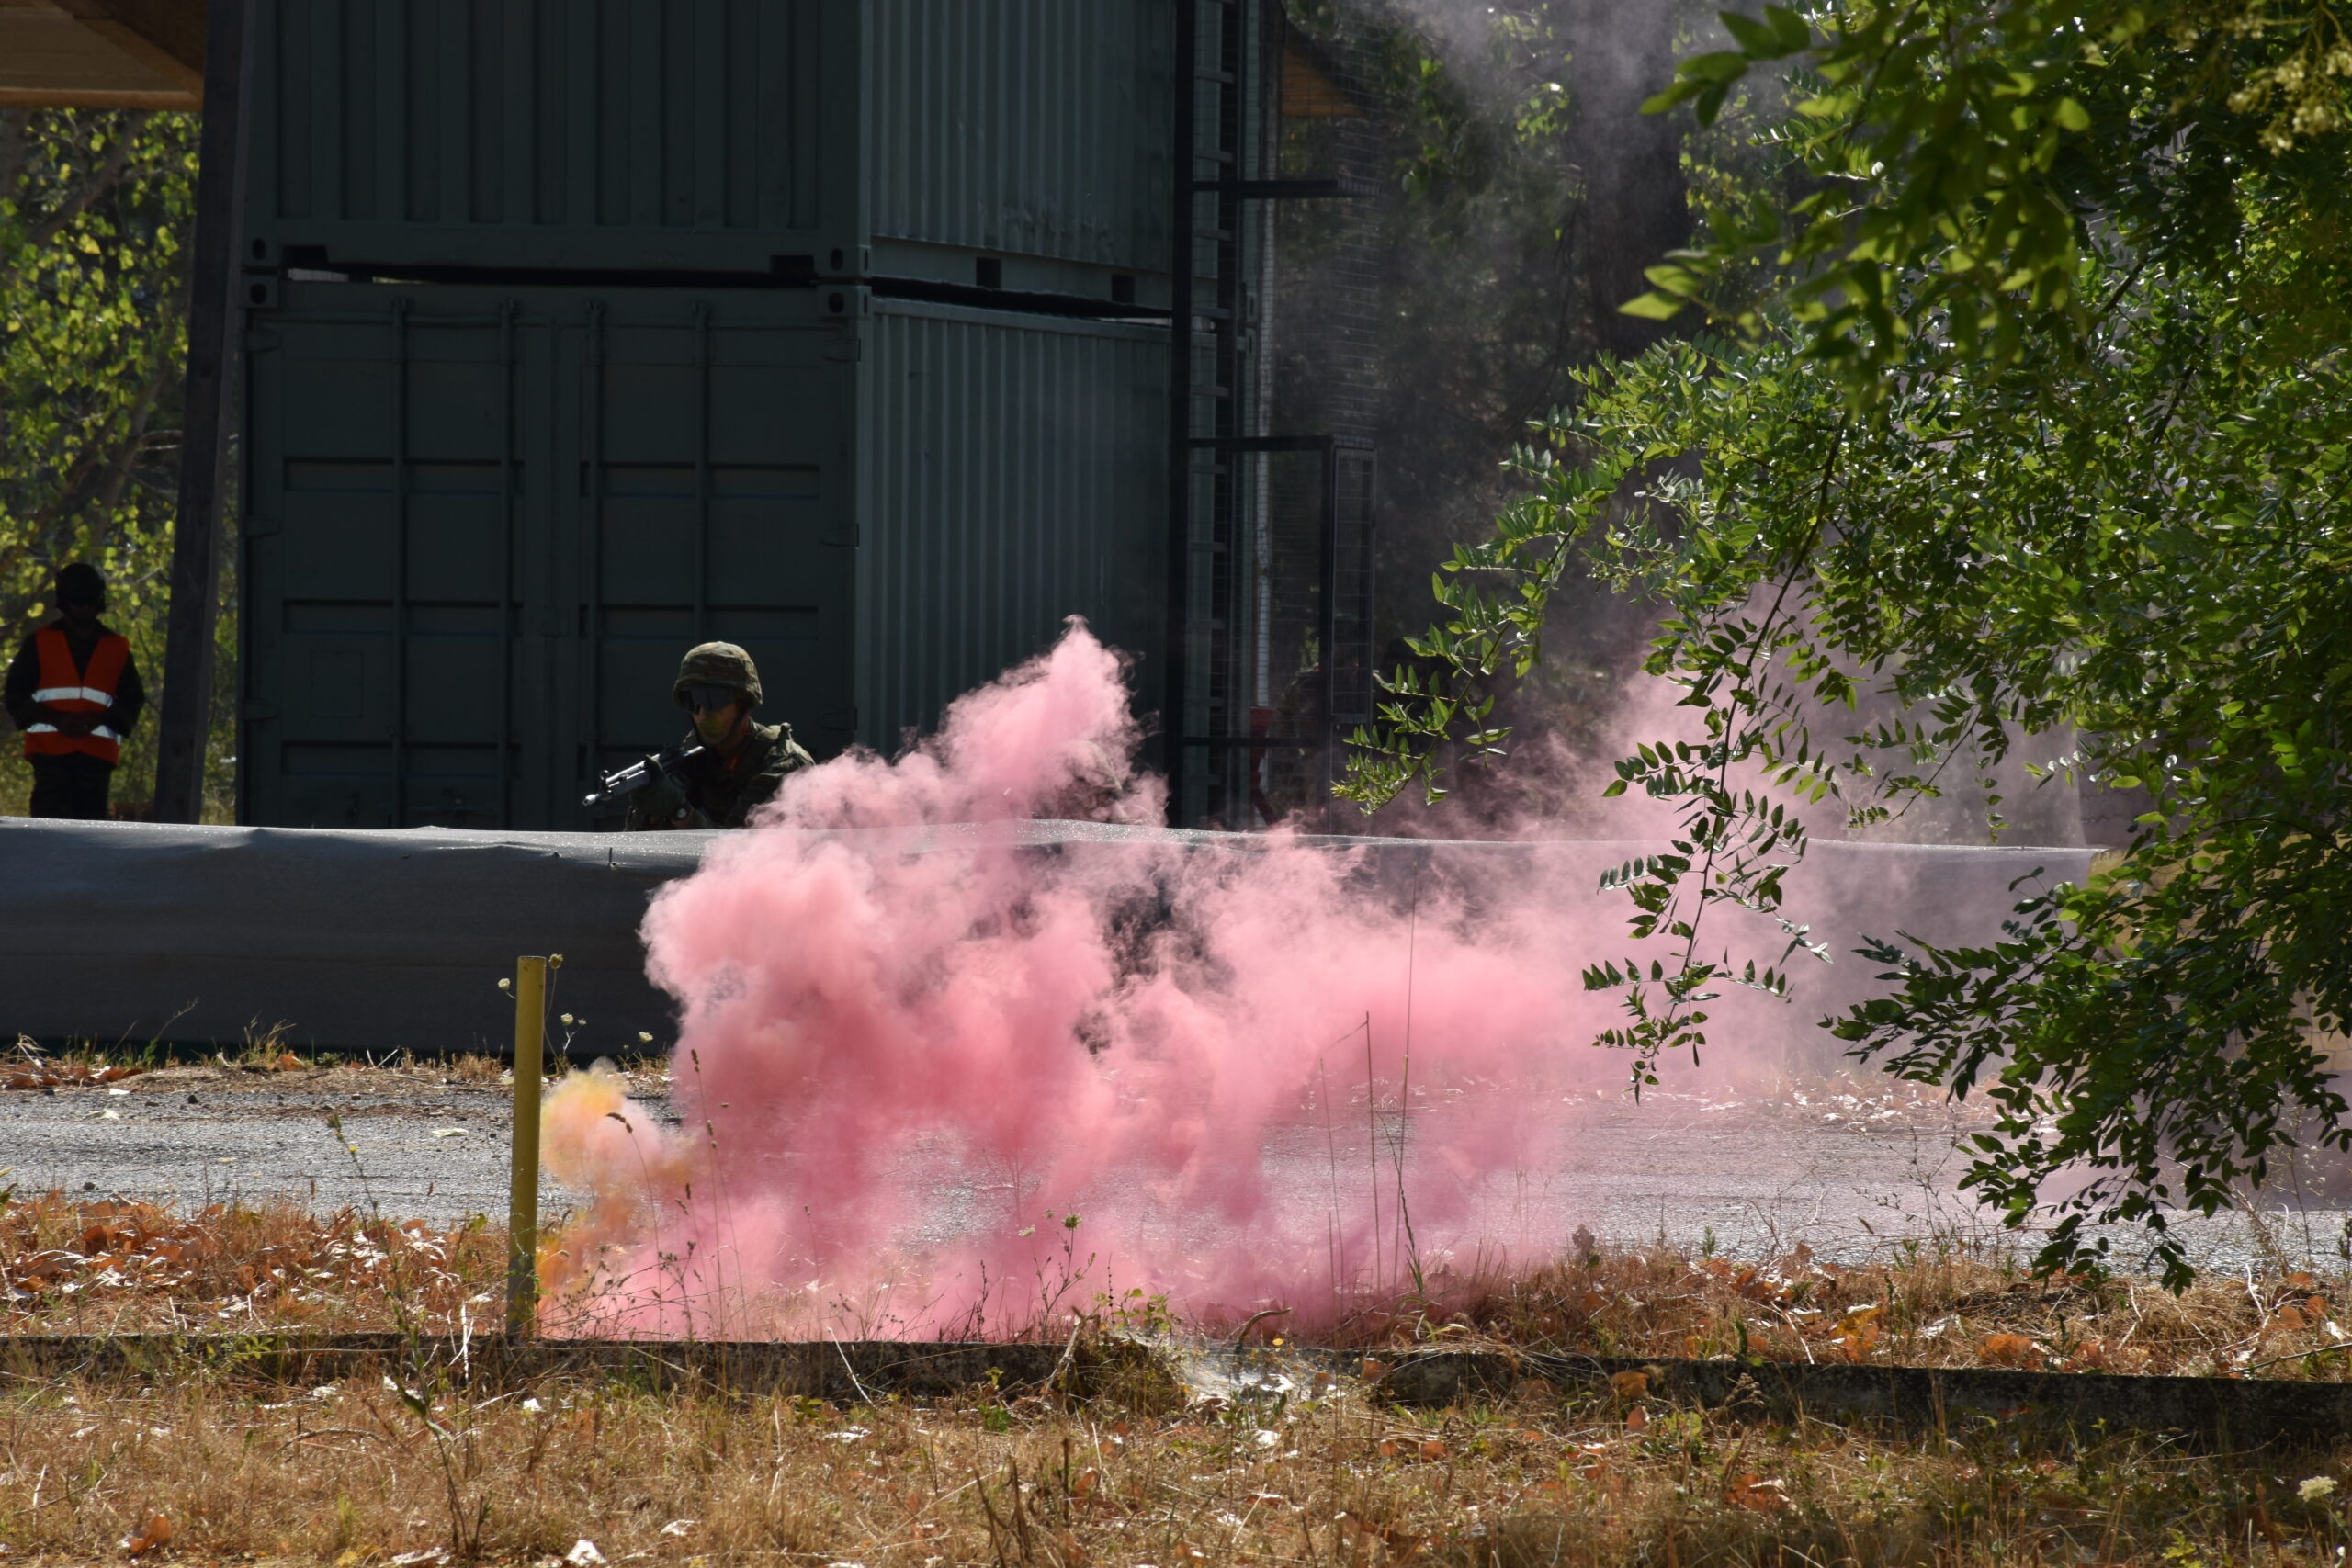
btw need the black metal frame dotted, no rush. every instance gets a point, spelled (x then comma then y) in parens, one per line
(1327, 602)
(1222, 322)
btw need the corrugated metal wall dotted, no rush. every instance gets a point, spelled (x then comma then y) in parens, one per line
(710, 135)
(1010, 474)
(1035, 127)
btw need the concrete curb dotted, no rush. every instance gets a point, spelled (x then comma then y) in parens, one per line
(2228, 1412)
(842, 1371)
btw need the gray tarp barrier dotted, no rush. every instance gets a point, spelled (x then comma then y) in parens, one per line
(357, 939)
(387, 939)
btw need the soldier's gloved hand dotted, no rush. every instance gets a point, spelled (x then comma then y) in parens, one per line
(660, 805)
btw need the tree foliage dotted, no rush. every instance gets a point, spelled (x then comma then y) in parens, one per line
(1966, 152)
(96, 216)
(2050, 432)
(1526, 194)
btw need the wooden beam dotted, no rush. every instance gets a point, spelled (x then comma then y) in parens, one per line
(91, 97)
(173, 29)
(123, 54)
(137, 46)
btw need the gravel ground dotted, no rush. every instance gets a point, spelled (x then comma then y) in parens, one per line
(431, 1146)
(1844, 1172)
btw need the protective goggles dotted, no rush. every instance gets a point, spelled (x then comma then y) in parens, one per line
(701, 698)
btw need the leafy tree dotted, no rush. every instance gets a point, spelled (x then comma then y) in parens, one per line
(1527, 195)
(1967, 153)
(2050, 428)
(96, 213)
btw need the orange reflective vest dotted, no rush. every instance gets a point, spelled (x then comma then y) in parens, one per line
(69, 690)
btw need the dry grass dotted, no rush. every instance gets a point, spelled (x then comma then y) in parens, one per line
(111, 1267)
(372, 1470)
(354, 1473)
(265, 1052)
(81, 1267)
(32, 1065)
(1944, 1306)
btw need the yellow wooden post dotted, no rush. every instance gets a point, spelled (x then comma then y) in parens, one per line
(523, 1191)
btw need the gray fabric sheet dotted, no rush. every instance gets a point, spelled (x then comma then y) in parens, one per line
(355, 939)
(375, 941)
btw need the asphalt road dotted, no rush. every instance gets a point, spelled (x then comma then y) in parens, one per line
(430, 1147)
(1845, 1173)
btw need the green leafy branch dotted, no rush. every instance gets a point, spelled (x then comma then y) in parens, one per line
(2139, 554)
(1962, 154)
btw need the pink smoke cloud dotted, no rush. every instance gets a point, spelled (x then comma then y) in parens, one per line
(921, 1030)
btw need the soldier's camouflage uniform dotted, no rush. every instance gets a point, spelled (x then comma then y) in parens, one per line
(711, 791)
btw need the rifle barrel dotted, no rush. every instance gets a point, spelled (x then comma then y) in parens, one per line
(638, 775)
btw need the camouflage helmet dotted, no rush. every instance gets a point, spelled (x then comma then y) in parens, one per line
(717, 664)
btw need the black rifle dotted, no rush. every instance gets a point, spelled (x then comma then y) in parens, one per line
(625, 782)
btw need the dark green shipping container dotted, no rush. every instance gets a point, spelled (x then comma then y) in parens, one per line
(829, 138)
(484, 521)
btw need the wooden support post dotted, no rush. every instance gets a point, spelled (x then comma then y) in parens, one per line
(523, 1186)
(185, 708)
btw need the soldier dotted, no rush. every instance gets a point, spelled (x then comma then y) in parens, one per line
(742, 761)
(75, 694)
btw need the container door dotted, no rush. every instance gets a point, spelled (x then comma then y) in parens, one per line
(396, 457)
(708, 496)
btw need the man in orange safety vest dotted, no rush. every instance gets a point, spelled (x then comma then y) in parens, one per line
(75, 694)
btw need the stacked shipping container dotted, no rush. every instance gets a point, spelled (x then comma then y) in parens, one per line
(583, 330)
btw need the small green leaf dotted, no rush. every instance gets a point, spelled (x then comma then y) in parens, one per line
(1792, 34)
(1654, 307)
(1671, 279)
(1757, 40)
(1720, 68)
